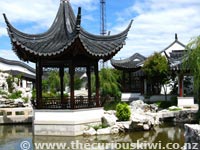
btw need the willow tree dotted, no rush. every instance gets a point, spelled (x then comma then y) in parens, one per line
(192, 61)
(109, 83)
(156, 68)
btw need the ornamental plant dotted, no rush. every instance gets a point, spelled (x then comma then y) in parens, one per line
(123, 112)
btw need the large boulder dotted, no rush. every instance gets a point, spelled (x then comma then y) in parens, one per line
(90, 131)
(114, 129)
(141, 122)
(104, 131)
(109, 120)
(141, 107)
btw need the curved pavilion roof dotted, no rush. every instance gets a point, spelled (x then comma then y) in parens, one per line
(131, 63)
(63, 37)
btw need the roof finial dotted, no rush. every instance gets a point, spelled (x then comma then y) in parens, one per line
(64, 0)
(176, 36)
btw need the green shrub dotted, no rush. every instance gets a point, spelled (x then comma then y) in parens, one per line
(174, 100)
(111, 105)
(15, 95)
(3, 92)
(9, 81)
(25, 99)
(165, 104)
(123, 112)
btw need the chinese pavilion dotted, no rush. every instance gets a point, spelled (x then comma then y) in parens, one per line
(133, 76)
(66, 45)
(134, 79)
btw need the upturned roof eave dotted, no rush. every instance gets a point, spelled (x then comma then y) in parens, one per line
(21, 41)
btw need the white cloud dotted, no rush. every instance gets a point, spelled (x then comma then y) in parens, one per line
(40, 13)
(156, 23)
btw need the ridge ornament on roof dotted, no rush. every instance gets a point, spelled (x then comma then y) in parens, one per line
(65, 37)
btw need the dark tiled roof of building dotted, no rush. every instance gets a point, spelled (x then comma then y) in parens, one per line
(17, 63)
(62, 36)
(129, 63)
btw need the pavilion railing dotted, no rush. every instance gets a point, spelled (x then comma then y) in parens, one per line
(79, 102)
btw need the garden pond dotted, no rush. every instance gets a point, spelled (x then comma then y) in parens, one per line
(20, 137)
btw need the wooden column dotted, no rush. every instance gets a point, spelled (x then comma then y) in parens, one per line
(96, 68)
(72, 73)
(142, 85)
(130, 80)
(39, 84)
(180, 85)
(61, 72)
(145, 85)
(89, 85)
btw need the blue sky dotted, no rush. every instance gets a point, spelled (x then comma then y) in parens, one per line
(153, 29)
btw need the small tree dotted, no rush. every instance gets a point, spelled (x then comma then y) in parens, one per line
(156, 69)
(109, 83)
(192, 62)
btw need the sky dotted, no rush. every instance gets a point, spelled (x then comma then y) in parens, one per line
(153, 29)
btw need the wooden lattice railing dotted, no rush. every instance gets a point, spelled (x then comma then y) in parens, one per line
(55, 103)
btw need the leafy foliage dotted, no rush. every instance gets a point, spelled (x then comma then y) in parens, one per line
(123, 112)
(109, 85)
(15, 95)
(157, 70)
(9, 81)
(192, 61)
(77, 82)
(111, 105)
(52, 82)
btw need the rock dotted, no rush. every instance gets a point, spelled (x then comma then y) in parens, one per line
(146, 127)
(114, 129)
(19, 100)
(109, 120)
(140, 107)
(173, 107)
(90, 131)
(137, 105)
(140, 122)
(192, 134)
(104, 131)
(154, 107)
(110, 112)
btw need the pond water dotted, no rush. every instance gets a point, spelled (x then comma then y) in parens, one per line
(20, 137)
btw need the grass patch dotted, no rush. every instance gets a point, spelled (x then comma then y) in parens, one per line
(175, 109)
(101, 126)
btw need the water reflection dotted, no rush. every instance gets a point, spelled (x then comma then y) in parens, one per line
(12, 136)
